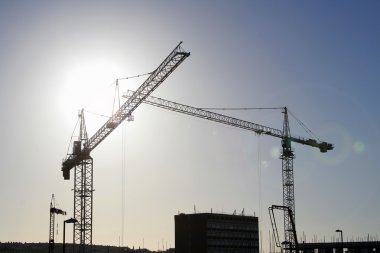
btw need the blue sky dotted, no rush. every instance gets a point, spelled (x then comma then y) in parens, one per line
(318, 58)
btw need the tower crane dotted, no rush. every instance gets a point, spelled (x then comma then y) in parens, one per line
(53, 212)
(81, 161)
(287, 154)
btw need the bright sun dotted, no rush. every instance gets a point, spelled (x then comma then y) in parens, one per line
(89, 85)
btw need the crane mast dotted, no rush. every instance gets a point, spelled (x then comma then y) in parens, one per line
(287, 157)
(53, 212)
(287, 154)
(81, 160)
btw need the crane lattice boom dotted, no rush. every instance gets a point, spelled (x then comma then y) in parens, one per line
(175, 58)
(220, 118)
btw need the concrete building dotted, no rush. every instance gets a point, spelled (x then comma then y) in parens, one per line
(340, 247)
(216, 233)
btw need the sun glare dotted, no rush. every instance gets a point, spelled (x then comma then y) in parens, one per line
(89, 85)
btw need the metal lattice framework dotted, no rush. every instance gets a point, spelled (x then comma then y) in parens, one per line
(83, 197)
(200, 113)
(291, 245)
(53, 212)
(82, 162)
(287, 154)
(153, 81)
(287, 157)
(51, 231)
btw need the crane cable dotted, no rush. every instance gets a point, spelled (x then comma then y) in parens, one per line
(210, 108)
(307, 130)
(130, 77)
(259, 186)
(240, 108)
(116, 82)
(124, 159)
(98, 114)
(72, 136)
(123, 181)
(102, 115)
(116, 95)
(304, 126)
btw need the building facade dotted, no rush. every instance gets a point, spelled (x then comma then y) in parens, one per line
(340, 247)
(216, 233)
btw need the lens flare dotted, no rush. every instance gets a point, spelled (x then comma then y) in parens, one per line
(342, 141)
(275, 152)
(358, 147)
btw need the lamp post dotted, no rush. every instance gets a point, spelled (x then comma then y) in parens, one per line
(71, 220)
(341, 234)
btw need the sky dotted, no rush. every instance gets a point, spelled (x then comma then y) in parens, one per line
(318, 58)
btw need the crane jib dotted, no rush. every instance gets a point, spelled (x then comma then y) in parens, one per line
(220, 118)
(172, 61)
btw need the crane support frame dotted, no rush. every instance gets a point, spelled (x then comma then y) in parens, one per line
(83, 208)
(174, 59)
(292, 229)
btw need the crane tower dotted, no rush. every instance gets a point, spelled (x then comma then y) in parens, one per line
(81, 161)
(53, 212)
(287, 154)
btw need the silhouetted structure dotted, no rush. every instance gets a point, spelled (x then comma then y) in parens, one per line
(53, 212)
(211, 233)
(81, 161)
(287, 154)
(18, 247)
(339, 247)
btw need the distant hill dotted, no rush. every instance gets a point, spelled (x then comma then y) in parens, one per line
(18, 247)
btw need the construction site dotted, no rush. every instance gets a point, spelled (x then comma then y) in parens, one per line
(255, 134)
(226, 238)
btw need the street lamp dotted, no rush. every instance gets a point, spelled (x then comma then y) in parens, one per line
(341, 234)
(71, 220)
